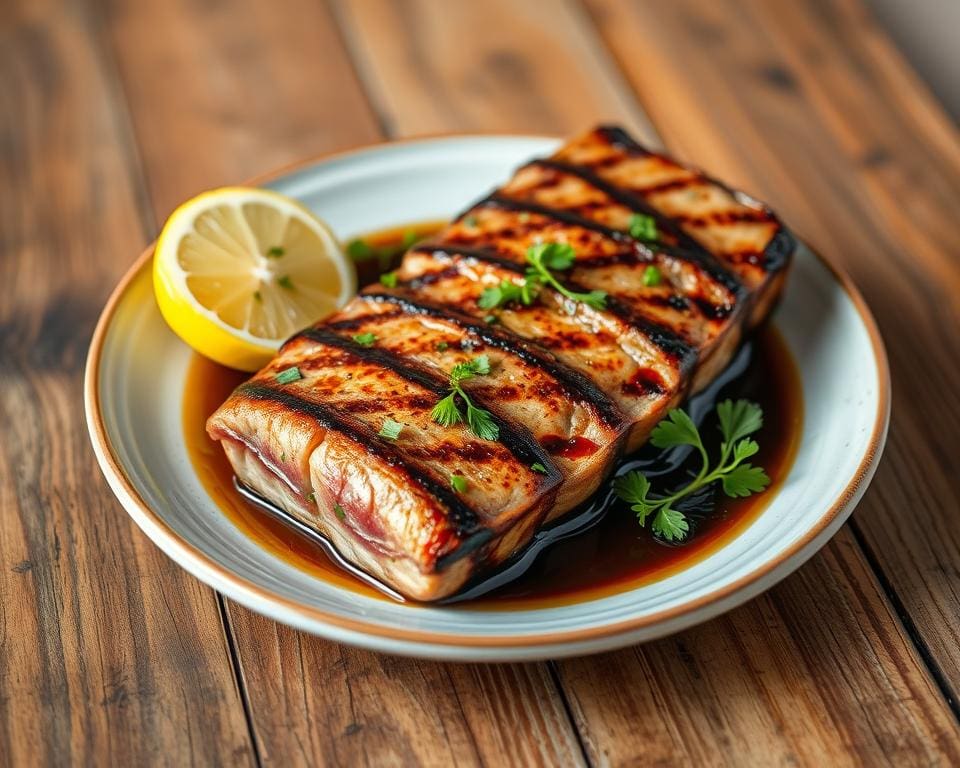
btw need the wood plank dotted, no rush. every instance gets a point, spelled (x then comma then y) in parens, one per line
(816, 664)
(491, 66)
(345, 706)
(109, 654)
(825, 120)
(310, 700)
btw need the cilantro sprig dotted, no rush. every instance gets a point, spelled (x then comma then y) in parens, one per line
(543, 259)
(738, 420)
(447, 412)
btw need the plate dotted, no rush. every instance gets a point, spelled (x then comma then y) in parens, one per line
(133, 398)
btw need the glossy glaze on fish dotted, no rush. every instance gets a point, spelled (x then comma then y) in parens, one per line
(570, 387)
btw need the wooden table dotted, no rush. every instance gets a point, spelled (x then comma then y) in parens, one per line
(111, 112)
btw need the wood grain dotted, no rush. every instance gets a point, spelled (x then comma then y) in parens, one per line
(109, 653)
(825, 120)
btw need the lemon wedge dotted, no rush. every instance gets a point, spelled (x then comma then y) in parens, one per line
(237, 270)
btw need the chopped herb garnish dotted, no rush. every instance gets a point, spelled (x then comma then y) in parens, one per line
(284, 281)
(470, 221)
(389, 279)
(447, 412)
(490, 319)
(338, 511)
(312, 497)
(538, 467)
(359, 250)
(288, 375)
(409, 238)
(544, 259)
(644, 228)
(258, 296)
(365, 339)
(441, 346)
(283, 456)
(276, 252)
(459, 483)
(737, 420)
(391, 429)
(652, 276)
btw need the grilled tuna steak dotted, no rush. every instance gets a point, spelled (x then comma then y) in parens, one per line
(570, 387)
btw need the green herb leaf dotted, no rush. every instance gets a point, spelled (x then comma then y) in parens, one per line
(644, 228)
(365, 339)
(538, 467)
(459, 483)
(544, 258)
(676, 429)
(389, 279)
(284, 281)
(670, 524)
(470, 221)
(441, 346)
(481, 423)
(490, 319)
(275, 252)
(338, 511)
(737, 419)
(358, 250)
(409, 238)
(744, 480)
(652, 276)
(390, 429)
(447, 412)
(288, 375)
(312, 497)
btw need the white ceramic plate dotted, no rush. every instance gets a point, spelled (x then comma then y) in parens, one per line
(134, 386)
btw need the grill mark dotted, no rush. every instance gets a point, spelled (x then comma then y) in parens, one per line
(668, 341)
(574, 384)
(463, 517)
(723, 218)
(690, 251)
(615, 135)
(517, 441)
(776, 253)
(671, 185)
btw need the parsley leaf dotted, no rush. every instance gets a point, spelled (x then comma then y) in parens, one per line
(458, 483)
(275, 252)
(365, 339)
(677, 429)
(652, 276)
(670, 524)
(389, 279)
(644, 228)
(447, 412)
(538, 467)
(358, 250)
(543, 259)
(288, 375)
(737, 420)
(390, 429)
(284, 281)
(338, 511)
(744, 480)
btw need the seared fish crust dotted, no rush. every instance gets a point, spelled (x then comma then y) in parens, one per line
(570, 387)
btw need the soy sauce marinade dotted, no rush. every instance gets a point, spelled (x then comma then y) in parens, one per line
(595, 550)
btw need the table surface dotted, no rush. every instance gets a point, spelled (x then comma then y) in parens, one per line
(113, 111)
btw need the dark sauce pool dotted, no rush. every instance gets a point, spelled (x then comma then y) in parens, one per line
(594, 551)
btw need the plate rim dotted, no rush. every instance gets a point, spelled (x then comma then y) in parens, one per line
(170, 541)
